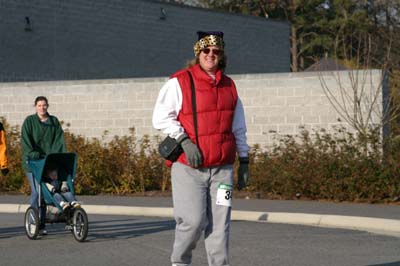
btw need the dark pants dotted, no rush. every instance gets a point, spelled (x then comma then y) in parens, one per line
(35, 199)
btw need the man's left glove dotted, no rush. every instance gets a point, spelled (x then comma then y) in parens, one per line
(4, 171)
(243, 172)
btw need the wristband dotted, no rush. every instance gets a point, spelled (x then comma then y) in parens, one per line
(244, 160)
(182, 138)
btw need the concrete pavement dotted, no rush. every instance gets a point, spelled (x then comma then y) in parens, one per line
(376, 218)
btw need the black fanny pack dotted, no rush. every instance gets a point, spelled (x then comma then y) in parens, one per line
(170, 149)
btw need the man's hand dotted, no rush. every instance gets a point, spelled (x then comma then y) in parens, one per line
(243, 172)
(191, 151)
(4, 171)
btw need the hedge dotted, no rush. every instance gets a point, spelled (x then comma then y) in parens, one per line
(314, 165)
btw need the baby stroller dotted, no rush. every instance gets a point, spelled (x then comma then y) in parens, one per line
(75, 218)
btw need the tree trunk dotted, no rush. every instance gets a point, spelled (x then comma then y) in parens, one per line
(293, 49)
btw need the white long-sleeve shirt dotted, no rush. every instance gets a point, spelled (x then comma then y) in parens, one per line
(169, 104)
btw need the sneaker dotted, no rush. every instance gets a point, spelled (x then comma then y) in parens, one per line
(75, 204)
(64, 205)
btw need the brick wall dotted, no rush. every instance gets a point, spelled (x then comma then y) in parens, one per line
(274, 103)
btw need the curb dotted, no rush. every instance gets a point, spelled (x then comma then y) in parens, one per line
(375, 225)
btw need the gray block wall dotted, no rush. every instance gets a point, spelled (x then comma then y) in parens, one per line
(274, 103)
(102, 39)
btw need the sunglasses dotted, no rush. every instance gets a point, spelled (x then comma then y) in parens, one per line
(215, 51)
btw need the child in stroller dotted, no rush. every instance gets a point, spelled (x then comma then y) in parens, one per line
(54, 177)
(59, 190)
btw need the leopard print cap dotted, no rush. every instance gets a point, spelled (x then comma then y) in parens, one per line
(209, 40)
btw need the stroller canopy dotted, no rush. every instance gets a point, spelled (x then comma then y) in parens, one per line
(65, 162)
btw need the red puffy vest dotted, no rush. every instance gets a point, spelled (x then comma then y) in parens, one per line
(216, 103)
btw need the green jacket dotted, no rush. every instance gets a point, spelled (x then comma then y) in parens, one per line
(40, 138)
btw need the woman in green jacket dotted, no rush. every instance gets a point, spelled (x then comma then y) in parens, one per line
(41, 134)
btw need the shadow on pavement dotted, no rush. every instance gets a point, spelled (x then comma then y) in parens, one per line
(8, 232)
(395, 263)
(101, 230)
(126, 228)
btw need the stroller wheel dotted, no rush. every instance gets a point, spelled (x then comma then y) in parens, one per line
(80, 224)
(32, 223)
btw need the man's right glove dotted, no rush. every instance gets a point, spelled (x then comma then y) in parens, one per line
(243, 172)
(4, 171)
(191, 150)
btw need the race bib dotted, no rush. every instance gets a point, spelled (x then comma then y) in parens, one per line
(224, 195)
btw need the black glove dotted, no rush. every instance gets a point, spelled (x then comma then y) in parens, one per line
(53, 190)
(4, 171)
(191, 150)
(243, 172)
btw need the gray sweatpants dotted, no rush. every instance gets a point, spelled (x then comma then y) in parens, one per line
(194, 194)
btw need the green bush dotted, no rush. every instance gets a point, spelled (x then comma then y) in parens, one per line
(15, 180)
(121, 166)
(338, 166)
(335, 166)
